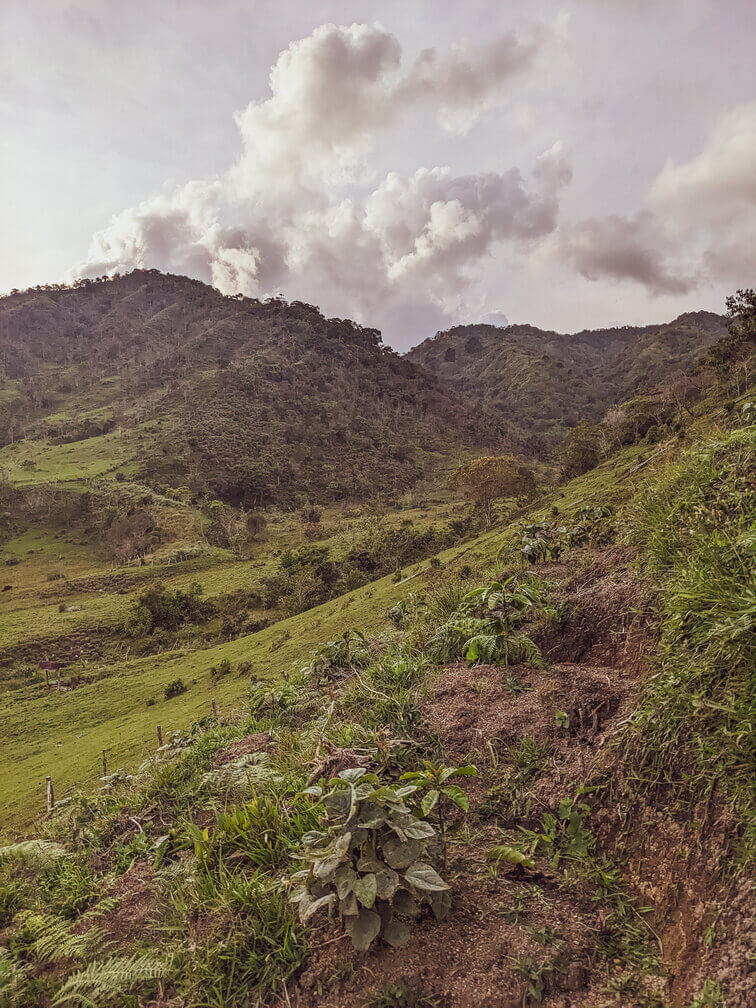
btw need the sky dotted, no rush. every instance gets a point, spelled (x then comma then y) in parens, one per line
(411, 165)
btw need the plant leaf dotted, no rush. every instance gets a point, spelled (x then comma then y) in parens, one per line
(309, 906)
(516, 857)
(457, 795)
(396, 933)
(422, 876)
(429, 802)
(365, 890)
(363, 929)
(400, 854)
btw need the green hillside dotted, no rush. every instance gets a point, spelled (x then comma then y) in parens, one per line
(419, 746)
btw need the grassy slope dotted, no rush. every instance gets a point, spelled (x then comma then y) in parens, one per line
(71, 729)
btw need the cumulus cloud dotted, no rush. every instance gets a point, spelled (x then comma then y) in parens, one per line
(697, 221)
(297, 212)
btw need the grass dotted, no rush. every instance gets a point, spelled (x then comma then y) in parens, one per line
(696, 724)
(64, 733)
(226, 934)
(31, 463)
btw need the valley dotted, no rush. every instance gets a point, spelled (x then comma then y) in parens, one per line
(466, 633)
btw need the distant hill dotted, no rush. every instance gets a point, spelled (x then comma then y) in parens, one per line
(258, 401)
(545, 381)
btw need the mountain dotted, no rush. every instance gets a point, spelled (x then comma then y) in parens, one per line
(545, 381)
(257, 401)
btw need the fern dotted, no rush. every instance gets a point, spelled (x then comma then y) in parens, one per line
(12, 978)
(102, 981)
(37, 853)
(243, 776)
(49, 939)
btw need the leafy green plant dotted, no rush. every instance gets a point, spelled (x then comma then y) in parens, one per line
(372, 862)
(565, 834)
(435, 792)
(105, 981)
(36, 853)
(337, 657)
(533, 975)
(175, 688)
(400, 995)
(404, 611)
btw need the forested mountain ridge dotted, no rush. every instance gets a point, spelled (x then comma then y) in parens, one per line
(549, 380)
(256, 401)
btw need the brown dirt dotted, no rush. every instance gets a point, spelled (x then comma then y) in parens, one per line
(136, 910)
(260, 742)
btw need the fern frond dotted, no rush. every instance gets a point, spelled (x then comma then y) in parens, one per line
(110, 977)
(243, 776)
(51, 939)
(12, 977)
(38, 853)
(105, 906)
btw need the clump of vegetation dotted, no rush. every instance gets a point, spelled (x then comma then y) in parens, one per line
(175, 688)
(373, 862)
(695, 524)
(160, 608)
(486, 480)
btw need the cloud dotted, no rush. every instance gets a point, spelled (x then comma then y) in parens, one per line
(622, 248)
(719, 183)
(697, 220)
(297, 213)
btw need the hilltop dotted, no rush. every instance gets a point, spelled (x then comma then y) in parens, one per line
(545, 382)
(258, 402)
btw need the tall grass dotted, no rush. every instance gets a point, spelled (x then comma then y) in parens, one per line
(695, 727)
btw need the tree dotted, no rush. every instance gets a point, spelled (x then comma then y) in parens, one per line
(583, 451)
(492, 477)
(733, 356)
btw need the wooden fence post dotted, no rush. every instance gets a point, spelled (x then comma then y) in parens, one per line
(104, 765)
(160, 735)
(50, 795)
(215, 709)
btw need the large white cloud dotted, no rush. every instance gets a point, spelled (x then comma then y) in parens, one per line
(297, 211)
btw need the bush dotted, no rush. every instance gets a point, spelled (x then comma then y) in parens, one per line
(175, 688)
(160, 608)
(372, 861)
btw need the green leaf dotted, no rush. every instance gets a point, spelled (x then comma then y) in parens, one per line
(363, 929)
(365, 889)
(338, 804)
(396, 933)
(456, 795)
(429, 801)
(386, 882)
(353, 774)
(325, 866)
(419, 830)
(371, 815)
(400, 854)
(344, 879)
(422, 876)
(505, 853)
(440, 903)
(406, 904)
(309, 906)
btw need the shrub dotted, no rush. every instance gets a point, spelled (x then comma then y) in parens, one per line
(160, 608)
(372, 861)
(175, 688)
